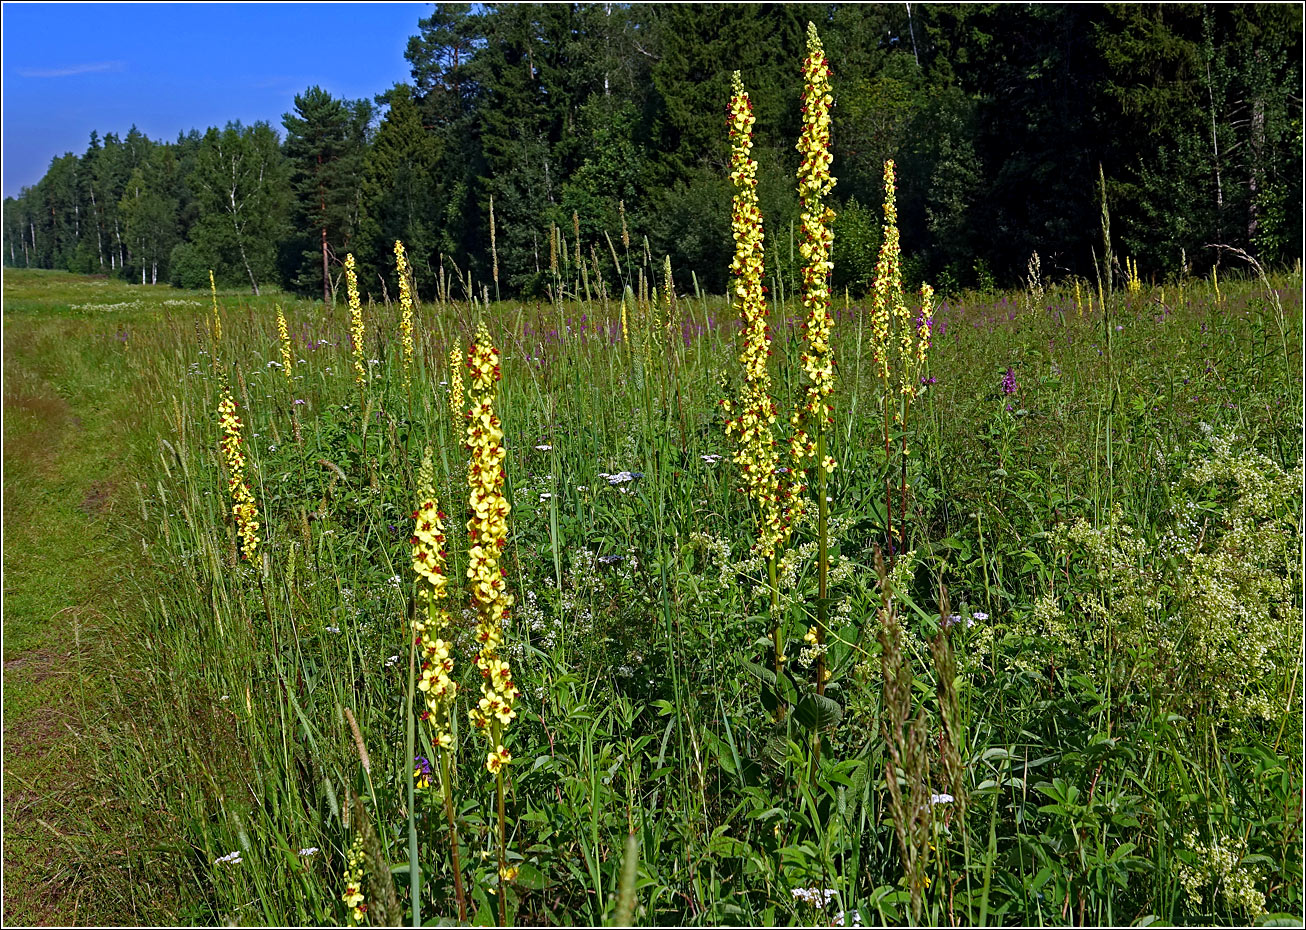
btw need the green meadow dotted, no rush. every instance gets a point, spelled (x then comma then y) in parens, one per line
(1072, 696)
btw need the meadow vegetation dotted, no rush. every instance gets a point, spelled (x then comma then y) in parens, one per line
(638, 605)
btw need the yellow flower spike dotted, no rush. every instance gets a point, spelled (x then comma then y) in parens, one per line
(755, 452)
(286, 356)
(217, 323)
(243, 507)
(814, 184)
(357, 332)
(487, 532)
(430, 620)
(406, 310)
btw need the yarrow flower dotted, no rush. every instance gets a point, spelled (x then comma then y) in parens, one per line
(431, 618)
(487, 532)
(405, 308)
(243, 507)
(817, 897)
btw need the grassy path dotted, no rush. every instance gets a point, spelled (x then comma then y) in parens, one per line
(70, 423)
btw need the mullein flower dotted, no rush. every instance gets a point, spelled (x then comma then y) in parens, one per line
(353, 881)
(243, 507)
(357, 333)
(814, 183)
(406, 310)
(887, 294)
(924, 325)
(217, 323)
(754, 410)
(286, 356)
(487, 532)
(431, 618)
(456, 386)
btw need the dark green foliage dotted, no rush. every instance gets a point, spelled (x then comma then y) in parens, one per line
(326, 141)
(998, 117)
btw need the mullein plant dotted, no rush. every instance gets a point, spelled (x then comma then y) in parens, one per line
(405, 313)
(430, 620)
(487, 532)
(753, 414)
(288, 369)
(899, 346)
(456, 387)
(243, 507)
(813, 414)
(353, 896)
(357, 331)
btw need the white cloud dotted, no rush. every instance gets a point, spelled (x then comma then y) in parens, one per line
(88, 68)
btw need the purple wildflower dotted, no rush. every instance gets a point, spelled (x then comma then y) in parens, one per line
(1009, 385)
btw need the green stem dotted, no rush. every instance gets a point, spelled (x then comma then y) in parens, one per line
(446, 784)
(775, 635)
(823, 572)
(414, 871)
(503, 853)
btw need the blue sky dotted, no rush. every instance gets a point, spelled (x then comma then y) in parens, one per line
(168, 68)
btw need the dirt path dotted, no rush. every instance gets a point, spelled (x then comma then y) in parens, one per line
(66, 431)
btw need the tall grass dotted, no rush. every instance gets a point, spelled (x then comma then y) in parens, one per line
(1102, 766)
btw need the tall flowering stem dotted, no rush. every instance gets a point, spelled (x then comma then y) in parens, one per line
(753, 413)
(885, 303)
(243, 507)
(357, 332)
(353, 881)
(814, 415)
(430, 621)
(405, 312)
(287, 357)
(456, 386)
(913, 363)
(900, 347)
(487, 532)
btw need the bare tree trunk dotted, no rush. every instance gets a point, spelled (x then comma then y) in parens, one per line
(99, 240)
(1254, 176)
(1215, 149)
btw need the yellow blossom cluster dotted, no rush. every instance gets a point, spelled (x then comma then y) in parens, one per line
(456, 386)
(353, 877)
(924, 325)
(357, 333)
(286, 356)
(887, 298)
(754, 413)
(431, 619)
(405, 310)
(814, 183)
(243, 507)
(487, 534)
